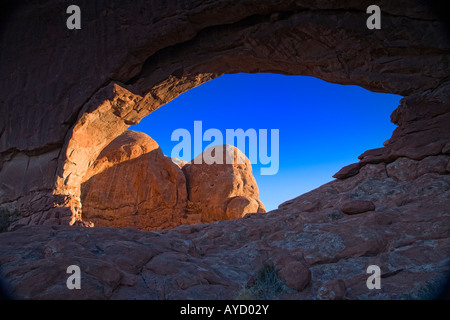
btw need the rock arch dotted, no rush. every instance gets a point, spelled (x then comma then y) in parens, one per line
(67, 93)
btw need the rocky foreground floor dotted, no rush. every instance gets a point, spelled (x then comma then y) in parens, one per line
(395, 216)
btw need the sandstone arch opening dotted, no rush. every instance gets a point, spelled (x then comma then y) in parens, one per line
(324, 127)
(151, 70)
(114, 108)
(67, 94)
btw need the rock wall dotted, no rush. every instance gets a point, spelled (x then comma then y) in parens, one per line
(321, 252)
(61, 86)
(221, 191)
(65, 95)
(132, 184)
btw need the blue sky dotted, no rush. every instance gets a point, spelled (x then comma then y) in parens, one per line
(322, 126)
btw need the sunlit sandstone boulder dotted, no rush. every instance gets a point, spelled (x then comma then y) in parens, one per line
(132, 184)
(222, 191)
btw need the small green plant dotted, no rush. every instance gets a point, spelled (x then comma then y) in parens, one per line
(267, 286)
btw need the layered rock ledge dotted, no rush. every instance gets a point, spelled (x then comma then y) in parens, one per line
(320, 251)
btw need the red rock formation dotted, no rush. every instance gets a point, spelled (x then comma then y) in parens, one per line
(132, 184)
(421, 132)
(357, 206)
(60, 106)
(65, 95)
(320, 253)
(222, 191)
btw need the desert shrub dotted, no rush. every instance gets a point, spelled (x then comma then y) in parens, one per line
(267, 286)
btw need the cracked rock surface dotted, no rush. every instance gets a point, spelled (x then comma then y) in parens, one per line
(321, 252)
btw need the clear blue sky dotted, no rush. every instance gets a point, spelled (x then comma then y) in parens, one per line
(322, 126)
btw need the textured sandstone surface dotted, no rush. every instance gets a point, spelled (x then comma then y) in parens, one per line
(65, 95)
(222, 191)
(132, 184)
(357, 206)
(321, 252)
